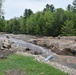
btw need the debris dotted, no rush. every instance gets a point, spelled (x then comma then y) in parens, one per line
(27, 49)
(7, 36)
(48, 58)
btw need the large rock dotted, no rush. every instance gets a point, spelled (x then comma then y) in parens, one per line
(6, 44)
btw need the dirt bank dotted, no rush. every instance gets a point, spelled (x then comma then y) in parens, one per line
(61, 46)
(53, 44)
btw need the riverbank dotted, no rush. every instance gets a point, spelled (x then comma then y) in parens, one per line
(66, 63)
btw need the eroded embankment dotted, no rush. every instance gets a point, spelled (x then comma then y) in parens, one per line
(62, 46)
(25, 47)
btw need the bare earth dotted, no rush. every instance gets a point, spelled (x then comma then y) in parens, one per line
(63, 42)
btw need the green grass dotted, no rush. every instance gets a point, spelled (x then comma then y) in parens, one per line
(28, 65)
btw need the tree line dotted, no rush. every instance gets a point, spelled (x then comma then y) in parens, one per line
(49, 22)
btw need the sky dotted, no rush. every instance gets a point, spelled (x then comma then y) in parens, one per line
(15, 8)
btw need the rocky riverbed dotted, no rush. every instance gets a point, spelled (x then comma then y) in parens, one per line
(22, 44)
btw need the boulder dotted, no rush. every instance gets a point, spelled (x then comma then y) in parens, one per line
(27, 49)
(6, 43)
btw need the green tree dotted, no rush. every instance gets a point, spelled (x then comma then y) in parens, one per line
(8, 26)
(12, 26)
(2, 25)
(15, 25)
(74, 20)
(49, 7)
(52, 8)
(40, 23)
(22, 22)
(31, 24)
(74, 6)
(68, 28)
(69, 7)
(27, 13)
(48, 20)
(58, 21)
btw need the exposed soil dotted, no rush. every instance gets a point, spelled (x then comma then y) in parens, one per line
(5, 53)
(64, 46)
(61, 46)
(68, 61)
(15, 72)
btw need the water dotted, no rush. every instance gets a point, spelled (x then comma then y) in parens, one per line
(29, 45)
(32, 46)
(43, 50)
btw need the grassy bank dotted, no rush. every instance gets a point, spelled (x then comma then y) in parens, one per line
(28, 65)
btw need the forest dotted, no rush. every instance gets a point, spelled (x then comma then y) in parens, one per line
(49, 22)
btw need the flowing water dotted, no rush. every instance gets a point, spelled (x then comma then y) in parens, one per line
(29, 45)
(43, 50)
(32, 46)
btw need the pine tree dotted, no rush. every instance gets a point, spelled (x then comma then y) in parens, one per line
(68, 28)
(74, 6)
